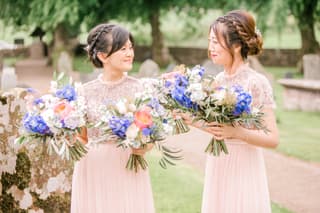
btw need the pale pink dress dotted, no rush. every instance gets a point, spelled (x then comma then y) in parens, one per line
(237, 182)
(101, 183)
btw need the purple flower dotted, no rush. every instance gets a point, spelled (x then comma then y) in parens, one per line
(35, 124)
(67, 92)
(119, 125)
(147, 131)
(38, 101)
(244, 100)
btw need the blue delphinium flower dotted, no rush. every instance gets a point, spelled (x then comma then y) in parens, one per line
(181, 81)
(67, 92)
(38, 101)
(119, 125)
(179, 92)
(36, 124)
(244, 100)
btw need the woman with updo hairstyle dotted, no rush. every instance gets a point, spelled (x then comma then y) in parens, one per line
(101, 183)
(236, 182)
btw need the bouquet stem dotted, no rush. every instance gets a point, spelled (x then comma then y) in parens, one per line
(215, 147)
(77, 151)
(180, 126)
(136, 162)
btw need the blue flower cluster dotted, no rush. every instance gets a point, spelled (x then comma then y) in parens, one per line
(244, 100)
(201, 70)
(36, 124)
(119, 125)
(67, 92)
(180, 94)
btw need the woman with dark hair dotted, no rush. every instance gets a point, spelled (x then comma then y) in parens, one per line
(101, 183)
(237, 182)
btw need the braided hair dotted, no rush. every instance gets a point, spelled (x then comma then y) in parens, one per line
(238, 27)
(106, 38)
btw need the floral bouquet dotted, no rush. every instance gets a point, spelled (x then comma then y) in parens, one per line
(56, 118)
(182, 89)
(136, 123)
(227, 106)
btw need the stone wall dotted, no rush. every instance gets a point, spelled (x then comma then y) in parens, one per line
(30, 179)
(193, 56)
(21, 51)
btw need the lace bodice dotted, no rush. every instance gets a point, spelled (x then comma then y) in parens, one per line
(99, 92)
(251, 81)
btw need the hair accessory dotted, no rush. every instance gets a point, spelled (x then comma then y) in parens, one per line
(257, 31)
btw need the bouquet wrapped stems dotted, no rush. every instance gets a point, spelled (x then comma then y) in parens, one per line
(215, 147)
(180, 126)
(77, 151)
(136, 162)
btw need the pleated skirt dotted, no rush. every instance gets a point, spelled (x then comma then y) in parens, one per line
(102, 184)
(237, 182)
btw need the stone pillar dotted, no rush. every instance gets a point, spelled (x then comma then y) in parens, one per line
(311, 66)
(31, 180)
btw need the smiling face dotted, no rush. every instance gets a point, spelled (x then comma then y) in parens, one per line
(218, 52)
(122, 59)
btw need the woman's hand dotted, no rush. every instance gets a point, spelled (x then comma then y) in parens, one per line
(223, 131)
(142, 151)
(82, 136)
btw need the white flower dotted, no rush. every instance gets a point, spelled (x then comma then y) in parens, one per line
(255, 110)
(219, 96)
(53, 86)
(132, 131)
(196, 91)
(73, 121)
(121, 106)
(197, 96)
(132, 107)
(168, 129)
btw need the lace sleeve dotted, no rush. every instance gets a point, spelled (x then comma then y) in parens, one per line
(262, 93)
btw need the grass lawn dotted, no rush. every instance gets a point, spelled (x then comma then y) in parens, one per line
(299, 131)
(179, 189)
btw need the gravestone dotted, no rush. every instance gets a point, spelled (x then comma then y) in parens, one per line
(311, 66)
(64, 63)
(149, 68)
(8, 78)
(211, 68)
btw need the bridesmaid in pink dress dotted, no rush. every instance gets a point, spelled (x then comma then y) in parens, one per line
(237, 182)
(101, 183)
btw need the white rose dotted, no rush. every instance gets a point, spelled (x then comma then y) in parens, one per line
(132, 131)
(121, 106)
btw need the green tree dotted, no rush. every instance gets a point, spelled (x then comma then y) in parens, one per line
(306, 13)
